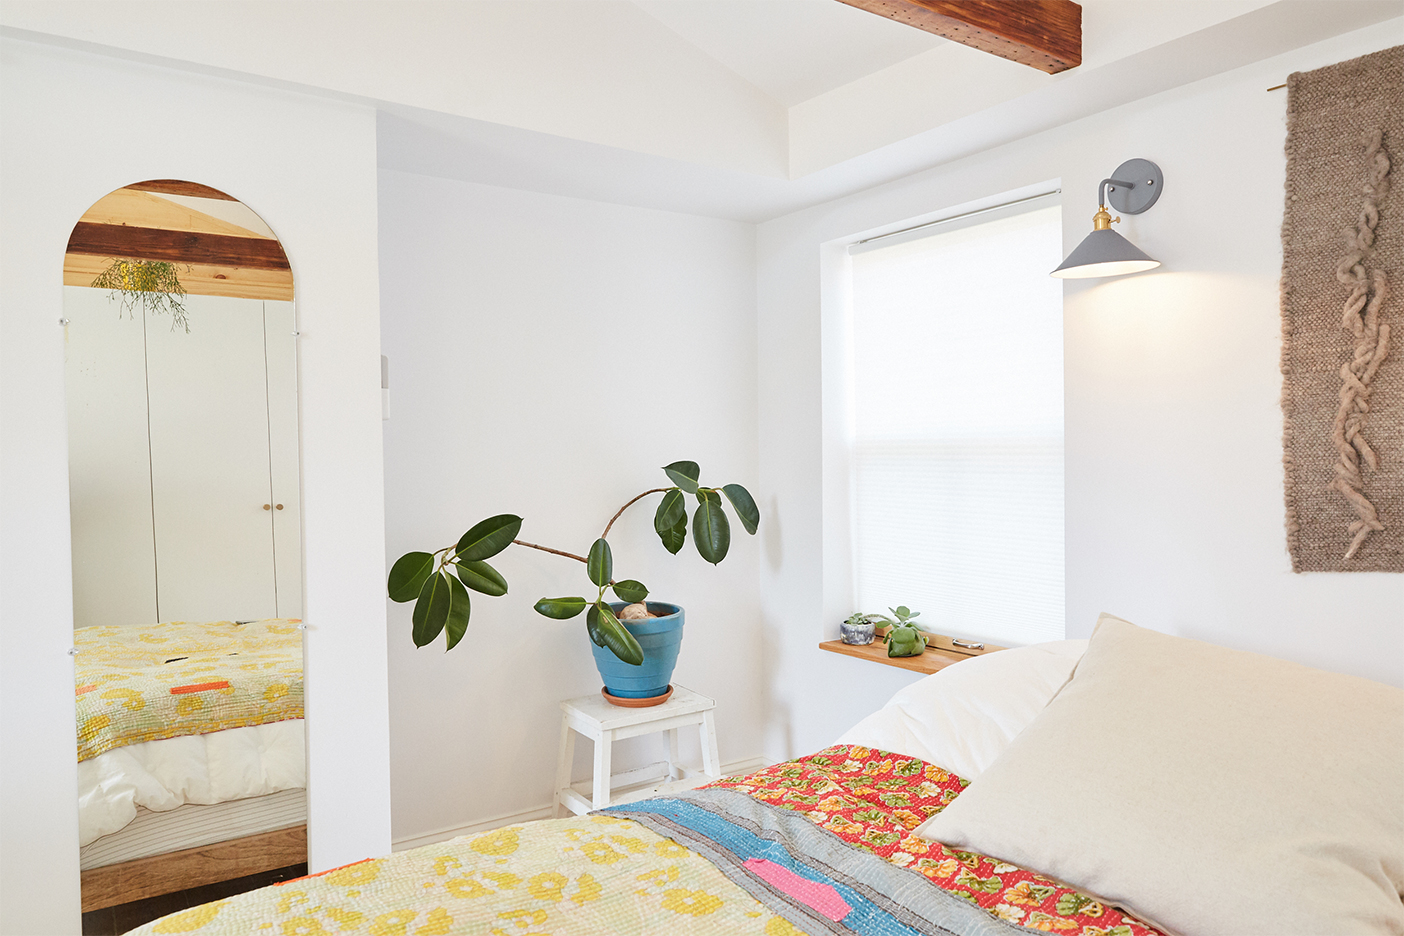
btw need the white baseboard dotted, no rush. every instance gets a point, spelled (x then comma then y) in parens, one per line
(735, 768)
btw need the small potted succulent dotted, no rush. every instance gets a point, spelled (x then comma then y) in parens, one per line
(635, 642)
(858, 629)
(904, 637)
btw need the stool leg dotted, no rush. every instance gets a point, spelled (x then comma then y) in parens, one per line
(565, 760)
(602, 768)
(674, 771)
(711, 763)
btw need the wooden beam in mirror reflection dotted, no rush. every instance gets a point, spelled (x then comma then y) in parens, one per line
(145, 210)
(200, 280)
(122, 240)
(193, 867)
(179, 187)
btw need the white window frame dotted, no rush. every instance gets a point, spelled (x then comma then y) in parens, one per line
(837, 430)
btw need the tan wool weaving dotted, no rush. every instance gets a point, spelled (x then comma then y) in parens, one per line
(1343, 316)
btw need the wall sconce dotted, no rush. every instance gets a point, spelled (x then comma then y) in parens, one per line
(1132, 189)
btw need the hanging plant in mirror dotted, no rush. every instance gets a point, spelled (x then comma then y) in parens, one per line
(154, 285)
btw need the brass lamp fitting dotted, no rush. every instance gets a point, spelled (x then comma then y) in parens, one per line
(1102, 220)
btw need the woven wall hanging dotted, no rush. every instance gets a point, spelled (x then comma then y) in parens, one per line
(1343, 316)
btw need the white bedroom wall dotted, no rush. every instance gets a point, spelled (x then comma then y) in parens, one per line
(76, 127)
(547, 356)
(1173, 431)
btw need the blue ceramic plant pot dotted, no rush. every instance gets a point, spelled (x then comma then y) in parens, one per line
(660, 638)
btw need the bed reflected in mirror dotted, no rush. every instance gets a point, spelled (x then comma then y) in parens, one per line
(181, 388)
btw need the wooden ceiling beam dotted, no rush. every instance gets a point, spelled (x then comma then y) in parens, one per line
(122, 240)
(1044, 34)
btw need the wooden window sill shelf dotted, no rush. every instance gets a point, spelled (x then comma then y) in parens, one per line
(940, 653)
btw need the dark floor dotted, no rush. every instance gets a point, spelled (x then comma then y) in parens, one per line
(110, 921)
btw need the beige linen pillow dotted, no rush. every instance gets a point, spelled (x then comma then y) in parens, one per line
(1208, 790)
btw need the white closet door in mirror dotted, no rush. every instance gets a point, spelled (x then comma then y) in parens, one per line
(212, 494)
(114, 570)
(279, 324)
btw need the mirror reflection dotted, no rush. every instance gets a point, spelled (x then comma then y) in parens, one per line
(181, 382)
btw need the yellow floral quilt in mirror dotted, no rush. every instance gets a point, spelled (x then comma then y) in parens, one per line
(144, 682)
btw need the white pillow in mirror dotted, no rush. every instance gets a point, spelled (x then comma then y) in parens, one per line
(964, 716)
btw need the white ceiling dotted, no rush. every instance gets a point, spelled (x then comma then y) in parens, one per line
(744, 109)
(792, 50)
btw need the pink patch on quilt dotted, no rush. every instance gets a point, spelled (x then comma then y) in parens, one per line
(820, 897)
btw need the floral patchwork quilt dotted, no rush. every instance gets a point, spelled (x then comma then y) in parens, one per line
(820, 845)
(145, 682)
(872, 800)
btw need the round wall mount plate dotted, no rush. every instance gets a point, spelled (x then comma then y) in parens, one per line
(1145, 189)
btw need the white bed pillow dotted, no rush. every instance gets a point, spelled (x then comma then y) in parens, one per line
(964, 716)
(1208, 790)
(232, 764)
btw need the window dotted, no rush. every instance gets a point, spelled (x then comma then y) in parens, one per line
(956, 424)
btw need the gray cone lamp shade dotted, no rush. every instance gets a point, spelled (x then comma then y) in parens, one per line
(1132, 189)
(1104, 253)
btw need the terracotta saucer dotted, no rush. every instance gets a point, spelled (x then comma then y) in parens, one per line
(637, 703)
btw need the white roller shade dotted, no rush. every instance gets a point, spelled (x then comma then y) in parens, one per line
(957, 428)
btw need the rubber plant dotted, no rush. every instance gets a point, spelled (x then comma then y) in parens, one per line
(439, 582)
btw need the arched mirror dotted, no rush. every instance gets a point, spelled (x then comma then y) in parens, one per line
(181, 382)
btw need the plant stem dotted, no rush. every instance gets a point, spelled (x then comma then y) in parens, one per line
(550, 550)
(626, 507)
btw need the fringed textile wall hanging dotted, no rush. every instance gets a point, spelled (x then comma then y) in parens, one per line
(1343, 316)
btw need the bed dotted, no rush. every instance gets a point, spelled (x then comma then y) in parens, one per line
(191, 745)
(855, 838)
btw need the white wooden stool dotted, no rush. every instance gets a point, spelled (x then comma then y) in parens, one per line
(604, 724)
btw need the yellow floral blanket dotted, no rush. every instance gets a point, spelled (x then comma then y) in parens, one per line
(145, 682)
(587, 875)
(820, 846)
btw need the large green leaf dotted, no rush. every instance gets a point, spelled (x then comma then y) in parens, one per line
(670, 508)
(560, 608)
(606, 631)
(674, 539)
(482, 577)
(684, 474)
(459, 607)
(670, 521)
(745, 506)
(600, 566)
(431, 610)
(592, 626)
(630, 591)
(710, 529)
(407, 575)
(488, 538)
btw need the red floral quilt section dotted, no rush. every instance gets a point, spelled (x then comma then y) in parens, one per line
(873, 800)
